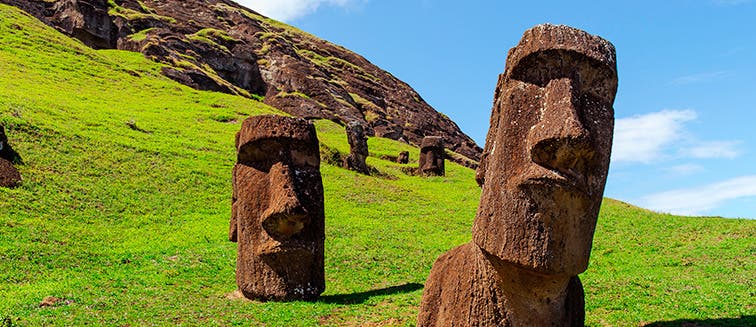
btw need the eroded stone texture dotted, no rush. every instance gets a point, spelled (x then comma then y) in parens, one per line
(277, 215)
(431, 161)
(403, 157)
(358, 148)
(543, 173)
(9, 175)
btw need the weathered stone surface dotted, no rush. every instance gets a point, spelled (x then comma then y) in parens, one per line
(221, 46)
(403, 157)
(543, 172)
(358, 149)
(277, 215)
(432, 155)
(9, 175)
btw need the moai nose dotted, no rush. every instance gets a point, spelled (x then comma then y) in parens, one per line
(285, 215)
(559, 140)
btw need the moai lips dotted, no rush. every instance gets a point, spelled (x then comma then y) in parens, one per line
(278, 217)
(431, 161)
(542, 173)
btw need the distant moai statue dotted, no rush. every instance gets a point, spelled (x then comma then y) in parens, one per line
(9, 175)
(277, 215)
(431, 161)
(403, 158)
(358, 148)
(542, 173)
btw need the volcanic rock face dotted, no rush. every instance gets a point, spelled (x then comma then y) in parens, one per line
(431, 161)
(218, 45)
(543, 173)
(277, 215)
(9, 175)
(358, 149)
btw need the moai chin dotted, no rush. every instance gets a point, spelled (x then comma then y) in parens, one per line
(431, 161)
(358, 149)
(542, 173)
(9, 175)
(403, 157)
(277, 215)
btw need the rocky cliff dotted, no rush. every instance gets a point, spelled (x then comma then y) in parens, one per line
(219, 45)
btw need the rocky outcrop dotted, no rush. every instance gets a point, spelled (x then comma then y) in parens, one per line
(221, 46)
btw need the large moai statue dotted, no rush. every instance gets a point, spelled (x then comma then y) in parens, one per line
(543, 174)
(431, 161)
(277, 216)
(9, 175)
(358, 149)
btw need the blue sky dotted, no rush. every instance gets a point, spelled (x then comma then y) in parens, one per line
(686, 106)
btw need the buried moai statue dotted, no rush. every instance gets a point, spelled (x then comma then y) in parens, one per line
(9, 175)
(542, 174)
(277, 215)
(358, 149)
(403, 157)
(431, 161)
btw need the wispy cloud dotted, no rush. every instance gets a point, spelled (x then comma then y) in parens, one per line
(287, 10)
(642, 138)
(715, 149)
(662, 135)
(731, 2)
(685, 169)
(699, 78)
(696, 201)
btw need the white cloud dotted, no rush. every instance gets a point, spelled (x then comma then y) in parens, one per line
(642, 138)
(686, 169)
(662, 135)
(699, 78)
(715, 149)
(696, 201)
(287, 10)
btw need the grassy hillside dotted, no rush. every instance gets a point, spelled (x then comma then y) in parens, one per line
(124, 209)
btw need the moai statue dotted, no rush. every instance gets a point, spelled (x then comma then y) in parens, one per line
(358, 148)
(543, 173)
(9, 175)
(277, 216)
(432, 156)
(403, 158)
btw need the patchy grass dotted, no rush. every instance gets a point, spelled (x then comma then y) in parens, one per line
(129, 228)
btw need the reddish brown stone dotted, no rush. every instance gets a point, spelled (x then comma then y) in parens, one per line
(431, 161)
(403, 157)
(358, 148)
(543, 172)
(9, 175)
(277, 215)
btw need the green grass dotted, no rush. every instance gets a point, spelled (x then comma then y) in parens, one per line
(129, 226)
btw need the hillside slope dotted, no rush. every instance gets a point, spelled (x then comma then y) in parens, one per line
(127, 226)
(221, 46)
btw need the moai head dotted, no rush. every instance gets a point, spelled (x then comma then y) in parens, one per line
(403, 157)
(358, 148)
(277, 215)
(432, 156)
(547, 151)
(356, 137)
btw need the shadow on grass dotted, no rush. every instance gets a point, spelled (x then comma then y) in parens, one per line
(729, 322)
(361, 297)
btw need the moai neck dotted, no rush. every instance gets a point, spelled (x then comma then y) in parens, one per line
(535, 299)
